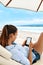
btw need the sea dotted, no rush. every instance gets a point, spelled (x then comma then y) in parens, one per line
(31, 29)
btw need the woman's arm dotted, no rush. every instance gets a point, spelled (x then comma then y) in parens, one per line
(30, 53)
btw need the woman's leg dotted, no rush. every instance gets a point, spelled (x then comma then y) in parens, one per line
(38, 46)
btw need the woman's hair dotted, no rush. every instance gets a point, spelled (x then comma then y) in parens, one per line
(7, 29)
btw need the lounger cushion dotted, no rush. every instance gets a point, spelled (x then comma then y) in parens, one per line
(5, 53)
(4, 61)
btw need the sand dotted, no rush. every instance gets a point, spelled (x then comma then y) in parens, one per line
(22, 35)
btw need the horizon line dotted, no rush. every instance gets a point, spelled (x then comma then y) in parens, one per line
(32, 25)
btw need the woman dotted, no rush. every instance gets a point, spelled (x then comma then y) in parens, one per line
(21, 53)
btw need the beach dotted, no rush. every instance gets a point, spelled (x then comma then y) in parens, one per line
(22, 35)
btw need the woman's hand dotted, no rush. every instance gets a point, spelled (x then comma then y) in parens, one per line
(31, 45)
(24, 43)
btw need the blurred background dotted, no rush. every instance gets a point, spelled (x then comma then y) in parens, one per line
(23, 19)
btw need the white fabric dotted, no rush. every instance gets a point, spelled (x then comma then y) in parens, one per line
(4, 1)
(5, 53)
(4, 61)
(24, 4)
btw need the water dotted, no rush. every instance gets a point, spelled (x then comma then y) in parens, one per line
(31, 29)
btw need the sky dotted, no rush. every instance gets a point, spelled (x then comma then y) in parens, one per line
(19, 16)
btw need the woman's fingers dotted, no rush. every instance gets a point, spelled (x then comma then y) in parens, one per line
(31, 45)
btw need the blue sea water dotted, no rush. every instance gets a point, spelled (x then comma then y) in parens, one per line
(31, 29)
